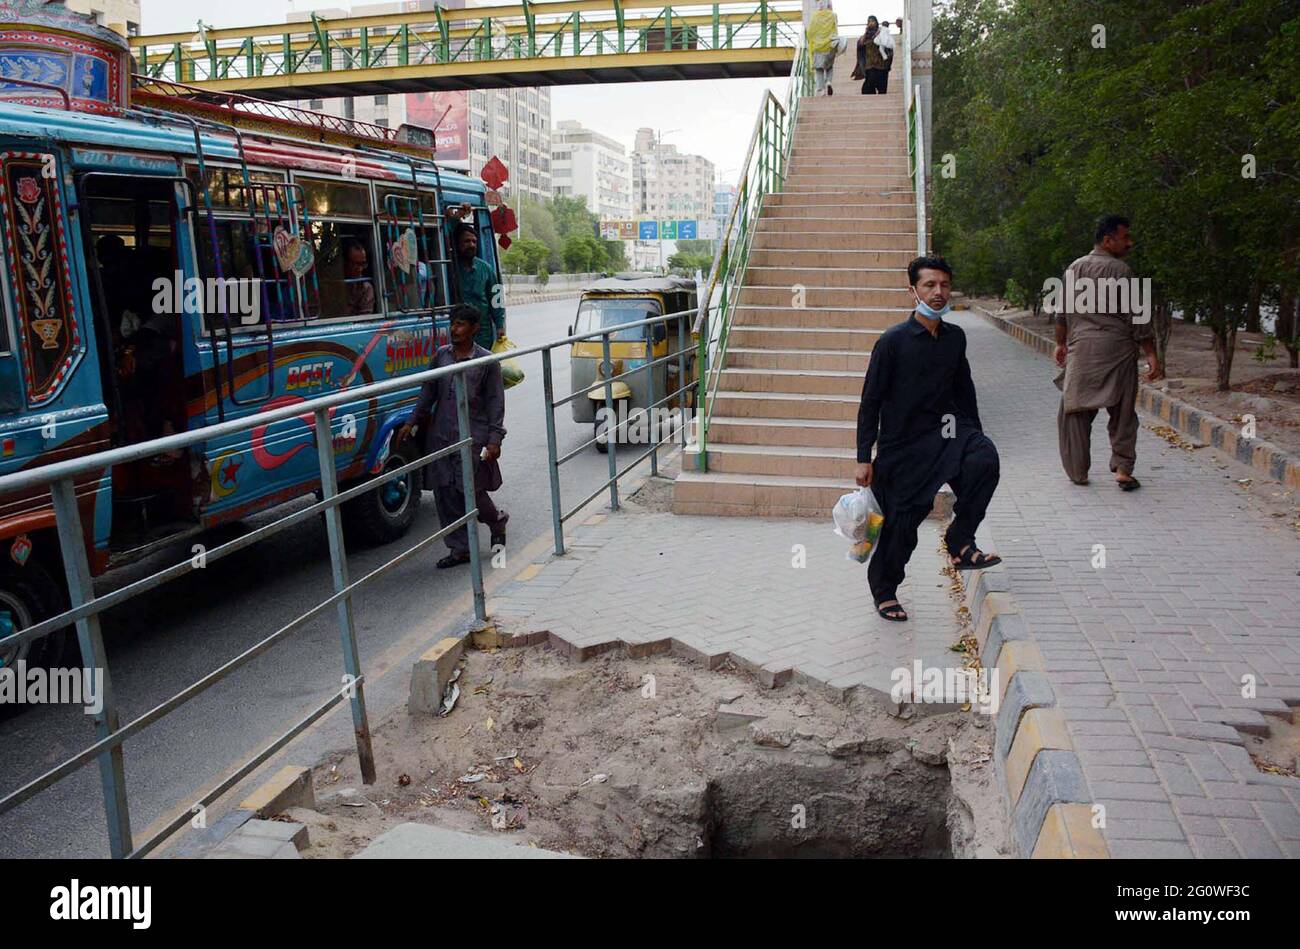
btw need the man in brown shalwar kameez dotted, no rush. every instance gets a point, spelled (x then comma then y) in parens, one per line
(436, 415)
(1099, 353)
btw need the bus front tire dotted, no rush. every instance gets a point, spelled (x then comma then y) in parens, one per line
(387, 512)
(30, 594)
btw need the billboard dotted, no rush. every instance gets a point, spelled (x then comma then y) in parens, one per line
(449, 111)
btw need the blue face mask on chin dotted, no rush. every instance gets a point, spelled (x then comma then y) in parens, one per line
(929, 312)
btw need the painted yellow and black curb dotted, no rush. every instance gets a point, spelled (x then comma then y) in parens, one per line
(1261, 455)
(1049, 806)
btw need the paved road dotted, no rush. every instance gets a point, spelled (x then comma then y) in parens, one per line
(165, 640)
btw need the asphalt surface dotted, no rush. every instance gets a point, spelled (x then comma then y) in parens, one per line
(166, 639)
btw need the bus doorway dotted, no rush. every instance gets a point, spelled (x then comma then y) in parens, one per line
(132, 225)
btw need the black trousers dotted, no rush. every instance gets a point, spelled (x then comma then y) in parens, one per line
(877, 81)
(972, 488)
(451, 507)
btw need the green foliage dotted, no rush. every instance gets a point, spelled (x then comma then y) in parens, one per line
(524, 256)
(567, 231)
(696, 247)
(686, 263)
(1165, 123)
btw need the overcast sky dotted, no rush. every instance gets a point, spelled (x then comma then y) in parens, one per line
(715, 117)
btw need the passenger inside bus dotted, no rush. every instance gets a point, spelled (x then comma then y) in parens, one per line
(361, 289)
(346, 276)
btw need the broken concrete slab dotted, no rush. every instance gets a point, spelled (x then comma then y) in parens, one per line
(412, 841)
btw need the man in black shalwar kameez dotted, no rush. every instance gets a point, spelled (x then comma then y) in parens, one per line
(919, 413)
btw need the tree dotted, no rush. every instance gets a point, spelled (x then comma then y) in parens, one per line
(696, 247)
(577, 253)
(615, 256)
(524, 256)
(687, 263)
(1182, 116)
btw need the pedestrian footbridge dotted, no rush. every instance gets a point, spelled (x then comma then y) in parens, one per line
(569, 42)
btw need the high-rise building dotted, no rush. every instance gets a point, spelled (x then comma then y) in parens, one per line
(120, 15)
(668, 186)
(588, 164)
(724, 196)
(471, 126)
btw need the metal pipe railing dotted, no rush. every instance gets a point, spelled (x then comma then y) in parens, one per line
(613, 427)
(85, 608)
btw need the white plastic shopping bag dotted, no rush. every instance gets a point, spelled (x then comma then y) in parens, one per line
(858, 519)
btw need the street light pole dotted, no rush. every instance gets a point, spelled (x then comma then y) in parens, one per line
(659, 166)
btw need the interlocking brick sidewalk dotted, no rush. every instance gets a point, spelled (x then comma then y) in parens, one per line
(721, 587)
(1146, 655)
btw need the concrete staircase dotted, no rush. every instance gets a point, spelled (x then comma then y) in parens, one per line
(827, 274)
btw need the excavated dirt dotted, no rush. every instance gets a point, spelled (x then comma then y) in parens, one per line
(660, 757)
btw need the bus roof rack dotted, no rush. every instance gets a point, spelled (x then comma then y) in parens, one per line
(232, 108)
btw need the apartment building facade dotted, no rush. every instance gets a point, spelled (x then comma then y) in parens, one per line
(585, 163)
(120, 15)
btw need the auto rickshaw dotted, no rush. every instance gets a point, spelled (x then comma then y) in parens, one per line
(627, 298)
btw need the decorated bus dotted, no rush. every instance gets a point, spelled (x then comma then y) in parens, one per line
(174, 258)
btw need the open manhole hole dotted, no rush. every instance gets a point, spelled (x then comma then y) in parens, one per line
(875, 806)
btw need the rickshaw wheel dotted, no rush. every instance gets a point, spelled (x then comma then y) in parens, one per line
(597, 429)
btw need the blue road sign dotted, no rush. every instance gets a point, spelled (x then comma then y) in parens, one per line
(686, 231)
(649, 230)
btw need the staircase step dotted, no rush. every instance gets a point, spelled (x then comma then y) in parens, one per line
(817, 240)
(813, 433)
(829, 212)
(785, 381)
(789, 338)
(886, 277)
(827, 164)
(794, 461)
(785, 405)
(810, 297)
(838, 259)
(834, 360)
(897, 224)
(822, 317)
(850, 188)
(721, 493)
(893, 201)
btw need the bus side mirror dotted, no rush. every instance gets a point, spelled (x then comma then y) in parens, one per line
(659, 333)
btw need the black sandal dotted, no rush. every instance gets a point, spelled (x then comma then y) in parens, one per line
(1132, 484)
(894, 612)
(972, 558)
(451, 560)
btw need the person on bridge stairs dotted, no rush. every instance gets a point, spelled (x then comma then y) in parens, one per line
(1098, 352)
(919, 412)
(435, 416)
(875, 55)
(823, 41)
(478, 286)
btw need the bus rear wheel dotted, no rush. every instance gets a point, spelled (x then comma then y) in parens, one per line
(28, 595)
(387, 512)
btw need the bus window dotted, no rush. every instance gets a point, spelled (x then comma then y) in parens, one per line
(234, 229)
(226, 190)
(342, 231)
(414, 278)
